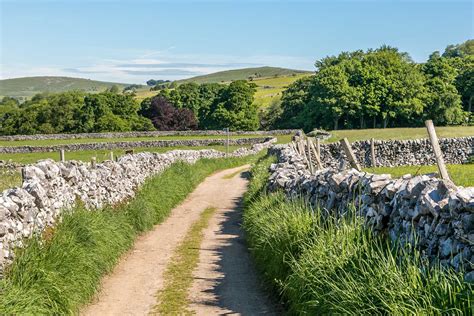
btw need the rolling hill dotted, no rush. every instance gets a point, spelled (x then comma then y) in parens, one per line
(28, 86)
(245, 74)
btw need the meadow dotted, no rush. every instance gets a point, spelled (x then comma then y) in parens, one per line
(269, 89)
(50, 142)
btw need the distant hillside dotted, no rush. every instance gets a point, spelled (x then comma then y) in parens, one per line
(29, 86)
(244, 74)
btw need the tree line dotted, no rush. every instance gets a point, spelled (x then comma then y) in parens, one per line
(189, 106)
(380, 88)
(361, 89)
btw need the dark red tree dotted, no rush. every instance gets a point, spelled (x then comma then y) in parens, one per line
(165, 117)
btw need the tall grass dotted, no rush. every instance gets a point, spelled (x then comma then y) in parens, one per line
(61, 270)
(322, 265)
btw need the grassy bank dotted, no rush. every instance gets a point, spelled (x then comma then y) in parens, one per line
(62, 272)
(460, 174)
(323, 266)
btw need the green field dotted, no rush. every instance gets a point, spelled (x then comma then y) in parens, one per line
(50, 142)
(243, 74)
(28, 86)
(271, 88)
(460, 174)
(400, 133)
(85, 155)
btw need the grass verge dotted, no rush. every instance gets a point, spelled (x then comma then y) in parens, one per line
(173, 299)
(61, 271)
(322, 265)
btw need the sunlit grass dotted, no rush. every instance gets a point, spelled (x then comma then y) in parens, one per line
(400, 133)
(178, 277)
(9, 179)
(460, 174)
(101, 155)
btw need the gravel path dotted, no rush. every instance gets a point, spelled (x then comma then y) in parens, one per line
(231, 285)
(225, 281)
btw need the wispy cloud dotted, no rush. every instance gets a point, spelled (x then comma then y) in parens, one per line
(154, 64)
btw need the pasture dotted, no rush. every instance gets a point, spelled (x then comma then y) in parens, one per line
(400, 133)
(272, 88)
(462, 175)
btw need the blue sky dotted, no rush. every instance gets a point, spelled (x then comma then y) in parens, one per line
(132, 41)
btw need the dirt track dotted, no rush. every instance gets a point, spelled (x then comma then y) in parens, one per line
(225, 281)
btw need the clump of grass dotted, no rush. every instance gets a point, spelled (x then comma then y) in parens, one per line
(322, 265)
(233, 174)
(173, 299)
(9, 179)
(59, 274)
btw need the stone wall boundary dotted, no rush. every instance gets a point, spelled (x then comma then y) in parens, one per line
(133, 144)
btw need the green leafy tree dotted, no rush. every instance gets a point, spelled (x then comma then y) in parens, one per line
(234, 108)
(443, 102)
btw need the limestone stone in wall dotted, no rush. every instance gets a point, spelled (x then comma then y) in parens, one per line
(439, 215)
(49, 188)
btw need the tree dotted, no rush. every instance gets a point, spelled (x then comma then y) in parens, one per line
(293, 102)
(114, 89)
(460, 50)
(443, 102)
(166, 117)
(151, 82)
(234, 108)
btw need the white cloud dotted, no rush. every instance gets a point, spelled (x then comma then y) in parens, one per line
(155, 64)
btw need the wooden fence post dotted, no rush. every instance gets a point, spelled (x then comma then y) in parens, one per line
(318, 147)
(311, 167)
(62, 157)
(316, 154)
(437, 150)
(93, 162)
(372, 153)
(350, 154)
(112, 155)
(23, 175)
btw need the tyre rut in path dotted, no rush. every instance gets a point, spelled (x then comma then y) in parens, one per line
(132, 286)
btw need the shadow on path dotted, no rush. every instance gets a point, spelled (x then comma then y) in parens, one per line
(237, 289)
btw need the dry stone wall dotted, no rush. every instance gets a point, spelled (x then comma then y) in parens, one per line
(145, 134)
(435, 213)
(133, 144)
(390, 153)
(49, 188)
